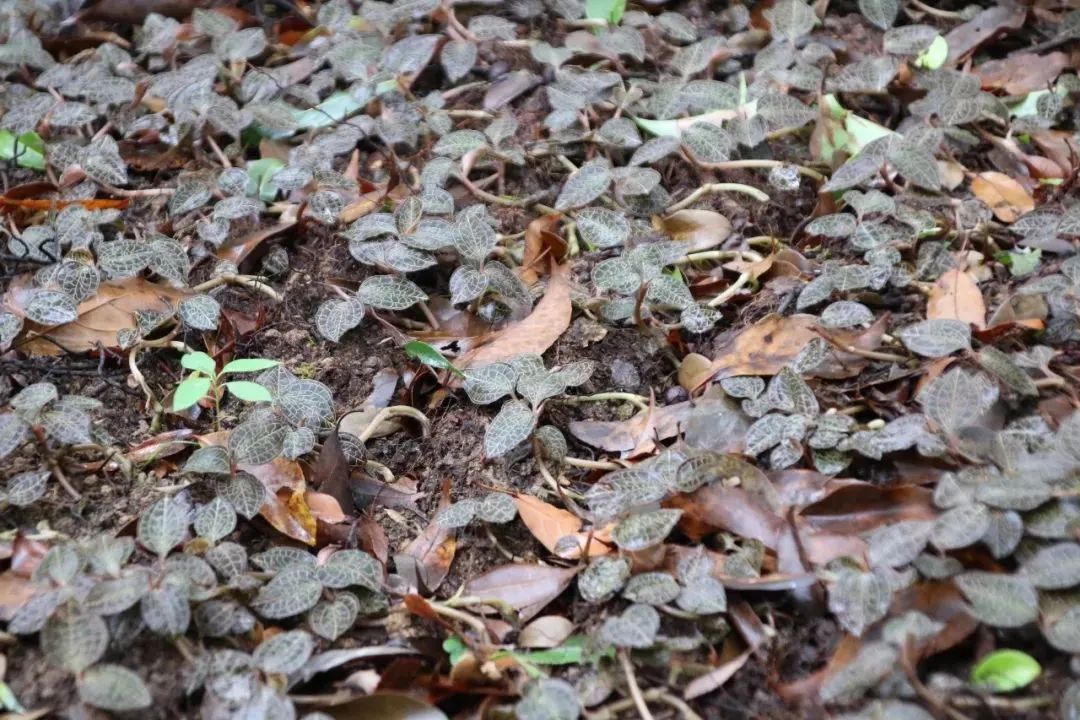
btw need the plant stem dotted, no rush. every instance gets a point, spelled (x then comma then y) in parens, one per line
(763, 164)
(874, 355)
(61, 478)
(720, 255)
(639, 400)
(731, 291)
(488, 197)
(393, 411)
(592, 464)
(946, 14)
(144, 192)
(251, 282)
(474, 622)
(712, 188)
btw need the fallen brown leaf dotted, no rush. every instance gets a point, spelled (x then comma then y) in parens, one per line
(1006, 197)
(15, 591)
(526, 588)
(284, 506)
(111, 309)
(731, 509)
(956, 296)
(541, 241)
(549, 524)
(330, 474)
(699, 229)
(1060, 146)
(765, 347)
(861, 506)
(732, 662)
(545, 632)
(431, 553)
(237, 250)
(385, 706)
(637, 433)
(965, 38)
(534, 334)
(1021, 72)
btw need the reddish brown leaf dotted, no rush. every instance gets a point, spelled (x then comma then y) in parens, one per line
(432, 550)
(939, 601)
(372, 538)
(526, 588)
(716, 677)
(989, 23)
(236, 250)
(331, 472)
(15, 591)
(1021, 72)
(285, 506)
(1059, 146)
(1006, 197)
(324, 508)
(765, 347)
(860, 507)
(715, 507)
(955, 296)
(161, 445)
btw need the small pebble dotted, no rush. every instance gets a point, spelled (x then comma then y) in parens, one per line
(675, 394)
(296, 336)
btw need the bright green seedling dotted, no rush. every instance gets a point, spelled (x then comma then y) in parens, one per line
(26, 149)
(204, 381)
(430, 356)
(1005, 670)
(608, 10)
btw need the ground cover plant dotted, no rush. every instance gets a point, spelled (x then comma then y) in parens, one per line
(547, 359)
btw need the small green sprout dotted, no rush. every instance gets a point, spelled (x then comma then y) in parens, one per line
(205, 381)
(430, 356)
(1003, 671)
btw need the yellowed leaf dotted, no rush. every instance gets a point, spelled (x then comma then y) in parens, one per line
(955, 296)
(549, 524)
(1006, 197)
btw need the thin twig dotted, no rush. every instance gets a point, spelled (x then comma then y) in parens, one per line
(61, 478)
(635, 690)
(484, 195)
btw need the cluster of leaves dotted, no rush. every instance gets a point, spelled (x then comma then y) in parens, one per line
(523, 376)
(638, 280)
(94, 596)
(39, 411)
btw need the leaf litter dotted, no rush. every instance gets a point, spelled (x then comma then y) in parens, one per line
(849, 335)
